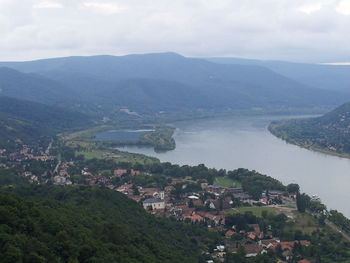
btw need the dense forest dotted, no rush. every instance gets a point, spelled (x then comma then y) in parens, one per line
(330, 132)
(31, 121)
(66, 224)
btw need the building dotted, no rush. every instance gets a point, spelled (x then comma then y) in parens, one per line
(120, 172)
(153, 204)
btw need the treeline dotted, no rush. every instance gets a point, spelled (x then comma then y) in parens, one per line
(340, 220)
(255, 183)
(252, 182)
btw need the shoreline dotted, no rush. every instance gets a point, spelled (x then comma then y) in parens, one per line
(311, 147)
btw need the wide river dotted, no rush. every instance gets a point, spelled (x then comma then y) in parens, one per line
(236, 142)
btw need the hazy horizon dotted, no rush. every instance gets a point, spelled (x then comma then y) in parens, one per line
(311, 31)
(204, 57)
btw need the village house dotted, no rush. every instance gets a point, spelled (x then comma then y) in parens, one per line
(169, 188)
(251, 249)
(269, 243)
(125, 189)
(194, 218)
(214, 189)
(204, 186)
(236, 190)
(183, 210)
(152, 192)
(213, 219)
(27, 173)
(153, 204)
(2, 151)
(134, 172)
(218, 204)
(120, 172)
(59, 180)
(229, 233)
(242, 196)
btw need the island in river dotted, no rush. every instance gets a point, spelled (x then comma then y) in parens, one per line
(158, 137)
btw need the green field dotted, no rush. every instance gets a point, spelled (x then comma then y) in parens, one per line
(118, 157)
(226, 182)
(256, 210)
(91, 154)
(304, 222)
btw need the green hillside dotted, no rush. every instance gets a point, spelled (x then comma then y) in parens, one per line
(169, 82)
(66, 224)
(32, 87)
(330, 132)
(30, 120)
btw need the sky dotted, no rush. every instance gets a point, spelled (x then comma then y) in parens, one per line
(295, 30)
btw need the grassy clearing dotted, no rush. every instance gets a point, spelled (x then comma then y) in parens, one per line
(91, 154)
(304, 222)
(226, 182)
(118, 157)
(256, 210)
(87, 134)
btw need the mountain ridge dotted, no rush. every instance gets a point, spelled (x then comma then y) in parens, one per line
(101, 82)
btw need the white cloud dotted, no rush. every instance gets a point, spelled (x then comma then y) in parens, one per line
(337, 63)
(263, 29)
(105, 8)
(48, 4)
(343, 7)
(309, 9)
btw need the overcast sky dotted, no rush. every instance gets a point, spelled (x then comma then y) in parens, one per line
(295, 30)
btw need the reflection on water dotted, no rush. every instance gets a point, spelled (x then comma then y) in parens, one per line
(245, 142)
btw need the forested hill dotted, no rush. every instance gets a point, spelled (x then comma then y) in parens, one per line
(330, 132)
(168, 82)
(30, 120)
(66, 224)
(32, 87)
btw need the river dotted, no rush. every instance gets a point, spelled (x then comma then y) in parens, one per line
(236, 142)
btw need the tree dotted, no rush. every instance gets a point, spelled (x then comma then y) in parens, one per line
(303, 202)
(293, 188)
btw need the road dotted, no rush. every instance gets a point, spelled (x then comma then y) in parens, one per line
(47, 152)
(337, 229)
(58, 164)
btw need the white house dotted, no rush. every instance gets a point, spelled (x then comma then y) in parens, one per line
(153, 203)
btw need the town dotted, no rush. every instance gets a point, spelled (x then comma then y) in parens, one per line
(249, 220)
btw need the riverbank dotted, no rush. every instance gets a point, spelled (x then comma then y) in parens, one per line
(272, 128)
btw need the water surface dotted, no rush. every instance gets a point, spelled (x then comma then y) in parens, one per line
(236, 142)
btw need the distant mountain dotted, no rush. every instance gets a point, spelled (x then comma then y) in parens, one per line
(170, 82)
(30, 120)
(330, 132)
(31, 87)
(329, 77)
(84, 224)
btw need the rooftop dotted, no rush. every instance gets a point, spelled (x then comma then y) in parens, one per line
(153, 200)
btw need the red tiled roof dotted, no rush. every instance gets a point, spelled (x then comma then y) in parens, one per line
(230, 233)
(252, 236)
